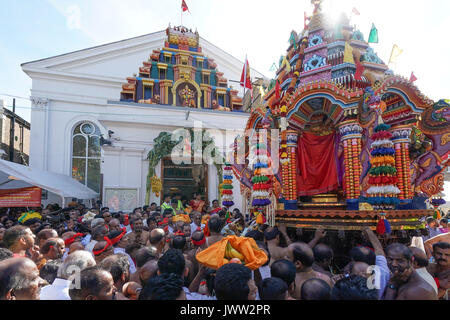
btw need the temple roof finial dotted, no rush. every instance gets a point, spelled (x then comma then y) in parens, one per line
(317, 6)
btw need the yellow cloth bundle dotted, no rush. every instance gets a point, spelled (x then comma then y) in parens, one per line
(222, 252)
(182, 217)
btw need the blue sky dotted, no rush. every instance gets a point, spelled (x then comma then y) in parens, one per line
(37, 29)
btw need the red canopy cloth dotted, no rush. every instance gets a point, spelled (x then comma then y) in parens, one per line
(316, 165)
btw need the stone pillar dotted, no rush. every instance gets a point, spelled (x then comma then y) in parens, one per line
(289, 172)
(207, 91)
(401, 137)
(351, 134)
(164, 86)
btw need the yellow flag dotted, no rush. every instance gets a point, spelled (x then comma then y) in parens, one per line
(348, 54)
(396, 52)
(287, 64)
(261, 91)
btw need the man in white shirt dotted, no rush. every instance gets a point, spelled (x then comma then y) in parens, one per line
(197, 222)
(98, 234)
(120, 242)
(420, 264)
(380, 262)
(71, 267)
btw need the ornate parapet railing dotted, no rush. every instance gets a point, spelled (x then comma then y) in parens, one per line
(350, 220)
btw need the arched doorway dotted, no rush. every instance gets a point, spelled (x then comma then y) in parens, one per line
(319, 158)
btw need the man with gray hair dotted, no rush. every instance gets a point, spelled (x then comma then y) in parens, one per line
(67, 274)
(98, 233)
(19, 279)
(119, 267)
(93, 223)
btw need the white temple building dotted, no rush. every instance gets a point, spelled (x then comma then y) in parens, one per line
(127, 93)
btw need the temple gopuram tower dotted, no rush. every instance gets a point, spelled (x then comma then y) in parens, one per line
(181, 75)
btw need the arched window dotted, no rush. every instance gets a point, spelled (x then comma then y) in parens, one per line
(86, 155)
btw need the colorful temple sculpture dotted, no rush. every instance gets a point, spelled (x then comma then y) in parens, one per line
(351, 132)
(181, 75)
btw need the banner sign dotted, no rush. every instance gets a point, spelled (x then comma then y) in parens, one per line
(17, 198)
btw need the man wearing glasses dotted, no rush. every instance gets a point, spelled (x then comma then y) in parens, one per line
(107, 216)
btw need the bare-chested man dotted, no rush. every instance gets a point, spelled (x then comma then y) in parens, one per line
(180, 243)
(272, 236)
(197, 244)
(138, 235)
(143, 255)
(302, 256)
(405, 282)
(441, 269)
(420, 264)
(158, 240)
(323, 256)
(215, 227)
(147, 271)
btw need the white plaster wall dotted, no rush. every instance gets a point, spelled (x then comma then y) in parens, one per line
(80, 84)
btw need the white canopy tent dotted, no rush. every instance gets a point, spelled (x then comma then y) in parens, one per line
(16, 176)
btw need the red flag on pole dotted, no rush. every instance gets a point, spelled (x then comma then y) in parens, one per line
(355, 12)
(277, 91)
(413, 77)
(359, 70)
(184, 6)
(246, 75)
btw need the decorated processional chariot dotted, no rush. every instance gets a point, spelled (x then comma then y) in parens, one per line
(359, 146)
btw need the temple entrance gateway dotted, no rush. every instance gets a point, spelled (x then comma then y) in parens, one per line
(184, 179)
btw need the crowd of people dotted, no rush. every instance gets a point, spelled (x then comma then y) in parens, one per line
(79, 253)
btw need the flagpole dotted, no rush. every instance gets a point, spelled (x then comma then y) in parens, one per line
(390, 59)
(245, 76)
